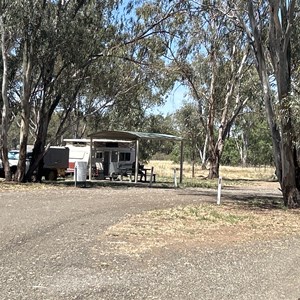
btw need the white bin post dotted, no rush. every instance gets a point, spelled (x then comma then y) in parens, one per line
(175, 178)
(219, 190)
(81, 171)
(151, 176)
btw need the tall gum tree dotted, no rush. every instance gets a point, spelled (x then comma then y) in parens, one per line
(5, 46)
(197, 29)
(213, 70)
(59, 41)
(269, 26)
(29, 25)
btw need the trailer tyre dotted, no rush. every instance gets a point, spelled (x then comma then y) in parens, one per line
(13, 171)
(52, 175)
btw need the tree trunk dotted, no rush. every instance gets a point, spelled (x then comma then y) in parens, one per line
(25, 113)
(289, 187)
(48, 105)
(243, 149)
(259, 52)
(227, 118)
(279, 47)
(39, 148)
(5, 107)
(203, 158)
(214, 160)
(273, 126)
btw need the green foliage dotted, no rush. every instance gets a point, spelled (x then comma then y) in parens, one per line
(189, 124)
(260, 145)
(258, 148)
(231, 156)
(158, 124)
(175, 154)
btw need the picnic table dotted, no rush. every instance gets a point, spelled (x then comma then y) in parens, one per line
(129, 171)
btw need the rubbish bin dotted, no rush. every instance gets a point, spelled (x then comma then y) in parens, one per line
(80, 171)
(101, 174)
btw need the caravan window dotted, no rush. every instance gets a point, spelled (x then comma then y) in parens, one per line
(114, 156)
(125, 156)
(99, 154)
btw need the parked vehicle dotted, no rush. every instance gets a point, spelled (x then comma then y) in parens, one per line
(56, 162)
(109, 158)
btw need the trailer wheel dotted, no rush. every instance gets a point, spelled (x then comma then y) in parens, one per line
(34, 178)
(13, 171)
(114, 176)
(52, 175)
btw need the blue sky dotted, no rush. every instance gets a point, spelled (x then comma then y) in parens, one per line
(174, 101)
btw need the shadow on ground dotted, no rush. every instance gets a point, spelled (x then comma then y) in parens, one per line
(248, 198)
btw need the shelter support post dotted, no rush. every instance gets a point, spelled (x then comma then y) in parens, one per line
(90, 160)
(181, 161)
(137, 155)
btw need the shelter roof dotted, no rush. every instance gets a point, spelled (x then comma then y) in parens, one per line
(87, 141)
(133, 136)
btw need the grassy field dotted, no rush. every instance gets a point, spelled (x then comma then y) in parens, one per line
(164, 171)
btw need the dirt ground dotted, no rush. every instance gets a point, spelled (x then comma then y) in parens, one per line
(249, 211)
(135, 242)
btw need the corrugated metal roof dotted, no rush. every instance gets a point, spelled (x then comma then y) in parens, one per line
(132, 136)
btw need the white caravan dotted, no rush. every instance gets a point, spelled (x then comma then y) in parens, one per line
(109, 157)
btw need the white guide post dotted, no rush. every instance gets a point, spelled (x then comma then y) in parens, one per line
(219, 190)
(151, 176)
(175, 178)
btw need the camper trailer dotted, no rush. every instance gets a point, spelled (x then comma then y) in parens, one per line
(109, 157)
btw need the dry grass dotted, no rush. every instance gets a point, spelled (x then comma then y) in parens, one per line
(233, 175)
(202, 225)
(166, 169)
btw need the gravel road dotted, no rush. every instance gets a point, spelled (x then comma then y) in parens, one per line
(53, 246)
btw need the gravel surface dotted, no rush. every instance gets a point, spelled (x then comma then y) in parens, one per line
(53, 246)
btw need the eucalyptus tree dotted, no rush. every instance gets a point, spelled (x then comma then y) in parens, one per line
(270, 28)
(5, 48)
(10, 87)
(127, 81)
(24, 38)
(58, 41)
(55, 42)
(117, 93)
(250, 116)
(69, 42)
(227, 62)
(211, 57)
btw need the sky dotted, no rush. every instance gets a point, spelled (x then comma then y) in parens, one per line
(174, 101)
